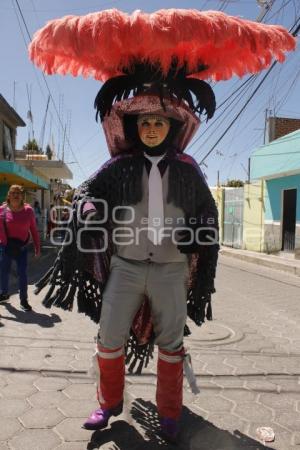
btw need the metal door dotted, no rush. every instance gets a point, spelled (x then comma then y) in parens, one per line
(233, 217)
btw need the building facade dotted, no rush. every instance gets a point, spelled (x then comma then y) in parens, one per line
(10, 171)
(276, 167)
(43, 180)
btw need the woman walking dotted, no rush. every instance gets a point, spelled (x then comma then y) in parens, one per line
(17, 223)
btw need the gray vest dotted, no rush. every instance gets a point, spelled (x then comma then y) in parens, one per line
(132, 237)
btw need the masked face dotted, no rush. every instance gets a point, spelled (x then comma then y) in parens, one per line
(153, 129)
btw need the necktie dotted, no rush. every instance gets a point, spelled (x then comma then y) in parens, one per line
(155, 201)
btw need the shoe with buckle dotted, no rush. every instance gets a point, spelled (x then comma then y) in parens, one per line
(4, 297)
(100, 417)
(169, 429)
(24, 305)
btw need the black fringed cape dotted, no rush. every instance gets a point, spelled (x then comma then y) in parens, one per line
(84, 274)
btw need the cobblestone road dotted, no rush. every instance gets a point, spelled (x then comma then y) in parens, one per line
(247, 363)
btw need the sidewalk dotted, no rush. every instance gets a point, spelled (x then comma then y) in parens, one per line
(246, 362)
(281, 262)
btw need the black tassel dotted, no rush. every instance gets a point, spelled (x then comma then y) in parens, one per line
(43, 281)
(48, 300)
(209, 311)
(138, 356)
(187, 331)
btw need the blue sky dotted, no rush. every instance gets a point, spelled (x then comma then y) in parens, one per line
(74, 97)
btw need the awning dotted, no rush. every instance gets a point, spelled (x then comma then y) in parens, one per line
(13, 173)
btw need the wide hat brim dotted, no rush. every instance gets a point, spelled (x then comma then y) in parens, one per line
(102, 44)
(150, 104)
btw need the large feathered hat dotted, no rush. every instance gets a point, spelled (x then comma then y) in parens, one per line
(157, 61)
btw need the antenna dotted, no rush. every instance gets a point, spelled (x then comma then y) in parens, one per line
(63, 144)
(61, 115)
(14, 96)
(42, 135)
(29, 113)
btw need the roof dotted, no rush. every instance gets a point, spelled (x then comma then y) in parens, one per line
(9, 110)
(278, 158)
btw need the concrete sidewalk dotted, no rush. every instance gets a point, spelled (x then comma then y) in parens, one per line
(246, 361)
(284, 262)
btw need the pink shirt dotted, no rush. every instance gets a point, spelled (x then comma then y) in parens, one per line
(19, 224)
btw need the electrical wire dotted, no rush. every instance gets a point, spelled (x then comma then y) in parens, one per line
(48, 88)
(294, 33)
(236, 99)
(62, 10)
(217, 119)
(290, 90)
(280, 9)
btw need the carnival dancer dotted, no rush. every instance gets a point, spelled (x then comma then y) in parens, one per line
(141, 251)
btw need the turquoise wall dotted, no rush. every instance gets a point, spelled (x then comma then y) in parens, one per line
(278, 157)
(273, 196)
(3, 192)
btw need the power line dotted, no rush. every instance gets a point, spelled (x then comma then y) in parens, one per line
(243, 85)
(294, 33)
(235, 100)
(48, 88)
(239, 113)
(280, 9)
(63, 10)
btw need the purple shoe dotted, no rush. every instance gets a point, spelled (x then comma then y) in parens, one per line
(169, 429)
(100, 417)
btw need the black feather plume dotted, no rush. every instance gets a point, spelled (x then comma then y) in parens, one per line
(145, 77)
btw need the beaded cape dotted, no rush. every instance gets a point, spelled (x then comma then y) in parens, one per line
(80, 275)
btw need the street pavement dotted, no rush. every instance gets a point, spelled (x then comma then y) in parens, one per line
(247, 363)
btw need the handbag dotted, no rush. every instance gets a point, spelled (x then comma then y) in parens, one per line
(14, 246)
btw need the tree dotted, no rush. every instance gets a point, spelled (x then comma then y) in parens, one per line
(234, 183)
(49, 152)
(32, 147)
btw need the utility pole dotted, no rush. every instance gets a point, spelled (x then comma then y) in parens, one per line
(218, 178)
(63, 144)
(265, 126)
(265, 6)
(249, 169)
(14, 96)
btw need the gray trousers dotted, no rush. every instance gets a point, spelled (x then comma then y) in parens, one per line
(165, 284)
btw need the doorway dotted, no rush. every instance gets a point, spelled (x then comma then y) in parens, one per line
(289, 219)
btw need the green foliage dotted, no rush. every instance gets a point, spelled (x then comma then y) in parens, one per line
(32, 147)
(234, 183)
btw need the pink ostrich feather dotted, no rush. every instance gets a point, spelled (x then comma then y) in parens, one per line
(102, 44)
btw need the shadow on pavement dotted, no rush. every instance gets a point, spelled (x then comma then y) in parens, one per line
(196, 434)
(43, 320)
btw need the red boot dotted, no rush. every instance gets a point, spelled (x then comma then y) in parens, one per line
(169, 391)
(110, 389)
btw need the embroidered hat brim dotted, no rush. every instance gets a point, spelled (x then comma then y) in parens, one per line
(150, 104)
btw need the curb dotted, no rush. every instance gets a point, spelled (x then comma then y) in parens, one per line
(288, 267)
